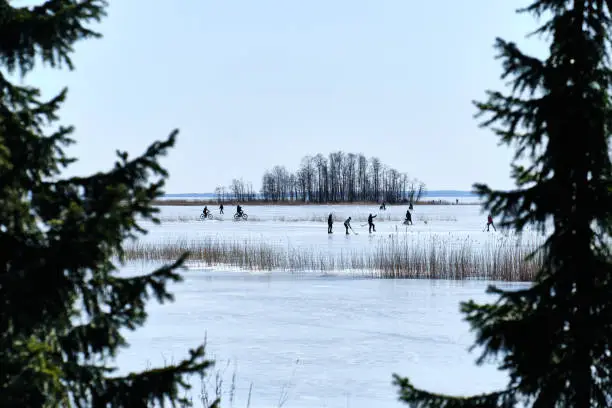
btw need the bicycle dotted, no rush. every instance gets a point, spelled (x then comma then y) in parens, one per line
(237, 216)
(207, 217)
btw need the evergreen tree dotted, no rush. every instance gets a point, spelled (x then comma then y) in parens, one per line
(62, 302)
(553, 338)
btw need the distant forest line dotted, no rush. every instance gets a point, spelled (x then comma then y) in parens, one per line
(337, 178)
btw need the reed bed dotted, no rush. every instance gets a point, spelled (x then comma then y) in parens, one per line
(437, 258)
(322, 218)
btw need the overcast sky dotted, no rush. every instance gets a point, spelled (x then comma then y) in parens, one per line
(251, 84)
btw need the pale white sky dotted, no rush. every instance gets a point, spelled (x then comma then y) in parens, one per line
(254, 84)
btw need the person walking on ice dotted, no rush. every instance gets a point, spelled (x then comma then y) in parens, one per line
(330, 223)
(347, 225)
(408, 219)
(221, 208)
(371, 223)
(490, 223)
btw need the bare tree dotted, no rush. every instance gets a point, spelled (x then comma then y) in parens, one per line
(350, 173)
(421, 191)
(362, 170)
(339, 177)
(322, 179)
(306, 177)
(375, 167)
(267, 186)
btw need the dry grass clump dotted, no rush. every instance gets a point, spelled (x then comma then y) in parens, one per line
(242, 254)
(437, 258)
(216, 389)
(503, 260)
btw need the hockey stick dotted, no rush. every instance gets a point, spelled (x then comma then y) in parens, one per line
(367, 223)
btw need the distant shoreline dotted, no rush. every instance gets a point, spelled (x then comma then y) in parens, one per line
(434, 197)
(428, 195)
(231, 203)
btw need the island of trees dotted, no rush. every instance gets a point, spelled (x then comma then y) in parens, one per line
(338, 177)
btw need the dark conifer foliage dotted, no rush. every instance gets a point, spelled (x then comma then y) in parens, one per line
(62, 303)
(554, 338)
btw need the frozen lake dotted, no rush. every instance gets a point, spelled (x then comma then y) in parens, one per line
(317, 341)
(320, 341)
(304, 227)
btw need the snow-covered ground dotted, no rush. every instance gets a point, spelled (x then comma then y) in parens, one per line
(318, 341)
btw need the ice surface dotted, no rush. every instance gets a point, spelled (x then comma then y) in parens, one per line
(348, 336)
(324, 341)
(305, 227)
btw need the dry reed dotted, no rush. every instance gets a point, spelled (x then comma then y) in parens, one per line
(214, 388)
(439, 258)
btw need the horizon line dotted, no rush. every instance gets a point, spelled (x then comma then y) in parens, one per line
(427, 193)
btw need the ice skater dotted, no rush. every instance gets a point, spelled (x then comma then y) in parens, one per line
(408, 219)
(490, 223)
(330, 224)
(371, 223)
(221, 208)
(347, 225)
